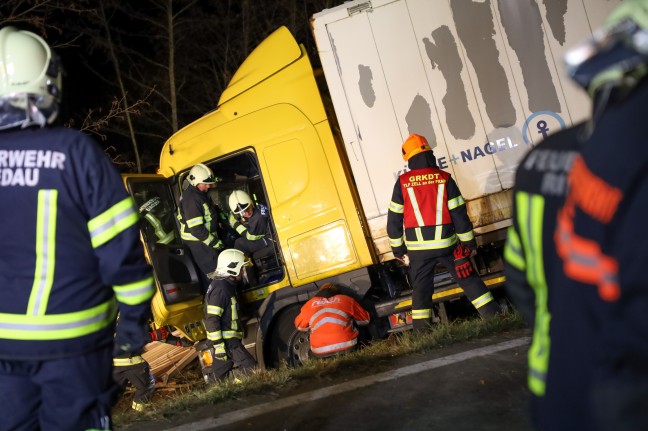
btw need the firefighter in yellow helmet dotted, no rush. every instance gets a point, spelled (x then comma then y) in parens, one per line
(428, 224)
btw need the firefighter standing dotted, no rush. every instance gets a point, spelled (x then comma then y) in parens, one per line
(331, 317)
(70, 247)
(597, 377)
(533, 272)
(224, 329)
(198, 219)
(428, 203)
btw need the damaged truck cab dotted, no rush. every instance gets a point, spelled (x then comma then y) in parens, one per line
(270, 136)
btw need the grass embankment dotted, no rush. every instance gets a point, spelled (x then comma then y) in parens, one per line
(195, 393)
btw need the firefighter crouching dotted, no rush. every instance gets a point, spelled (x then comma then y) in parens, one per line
(427, 202)
(223, 350)
(332, 319)
(70, 248)
(135, 369)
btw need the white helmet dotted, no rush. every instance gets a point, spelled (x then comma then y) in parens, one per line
(201, 174)
(230, 262)
(30, 80)
(239, 201)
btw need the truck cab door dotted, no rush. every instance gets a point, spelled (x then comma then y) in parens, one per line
(178, 285)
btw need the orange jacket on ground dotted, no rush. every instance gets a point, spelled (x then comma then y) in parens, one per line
(330, 321)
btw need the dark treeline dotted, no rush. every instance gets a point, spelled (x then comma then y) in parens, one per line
(136, 72)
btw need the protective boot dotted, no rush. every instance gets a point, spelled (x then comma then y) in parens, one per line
(422, 324)
(480, 297)
(489, 310)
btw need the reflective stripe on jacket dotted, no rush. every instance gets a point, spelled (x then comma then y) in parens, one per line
(428, 205)
(222, 312)
(540, 189)
(197, 217)
(255, 227)
(70, 245)
(331, 322)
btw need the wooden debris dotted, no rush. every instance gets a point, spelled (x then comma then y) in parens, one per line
(166, 360)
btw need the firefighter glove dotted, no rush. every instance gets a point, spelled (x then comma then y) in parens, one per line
(217, 244)
(160, 334)
(404, 260)
(179, 341)
(219, 351)
(184, 342)
(132, 332)
(463, 266)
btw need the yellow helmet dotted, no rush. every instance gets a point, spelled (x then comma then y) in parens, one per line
(30, 80)
(413, 145)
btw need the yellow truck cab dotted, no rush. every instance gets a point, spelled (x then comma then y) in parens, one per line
(270, 137)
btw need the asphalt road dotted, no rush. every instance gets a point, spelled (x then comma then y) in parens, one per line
(475, 386)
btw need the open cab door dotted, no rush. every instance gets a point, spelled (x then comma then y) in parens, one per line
(271, 115)
(179, 297)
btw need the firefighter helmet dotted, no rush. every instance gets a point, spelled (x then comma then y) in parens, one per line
(230, 262)
(201, 174)
(413, 145)
(239, 202)
(616, 55)
(30, 80)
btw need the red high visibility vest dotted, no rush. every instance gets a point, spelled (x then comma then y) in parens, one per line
(425, 198)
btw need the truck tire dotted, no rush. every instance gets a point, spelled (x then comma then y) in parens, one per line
(287, 344)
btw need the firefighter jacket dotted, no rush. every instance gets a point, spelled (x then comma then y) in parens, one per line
(254, 227)
(198, 217)
(428, 204)
(540, 190)
(222, 312)
(331, 322)
(70, 247)
(157, 221)
(600, 239)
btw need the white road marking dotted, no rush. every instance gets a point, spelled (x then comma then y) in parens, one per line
(296, 400)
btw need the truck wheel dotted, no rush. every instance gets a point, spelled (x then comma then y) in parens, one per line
(286, 343)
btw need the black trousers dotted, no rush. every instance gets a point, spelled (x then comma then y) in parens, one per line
(422, 265)
(237, 356)
(249, 246)
(205, 258)
(139, 375)
(73, 393)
